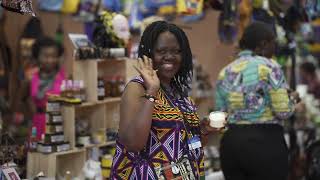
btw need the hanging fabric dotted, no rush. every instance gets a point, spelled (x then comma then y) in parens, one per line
(216, 4)
(245, 12)
(112, 5)
(19, 6)
(260, 14)
(88, 10)
(189, 7)
(313, 8)
(155, 4)
(228, 22)
(50, 5)
(136, 16)
(70, 6)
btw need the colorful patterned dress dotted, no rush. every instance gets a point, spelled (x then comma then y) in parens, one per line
(167, 142)
(253, 90)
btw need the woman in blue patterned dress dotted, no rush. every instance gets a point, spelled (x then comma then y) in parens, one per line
(254, 92)
(160, 133)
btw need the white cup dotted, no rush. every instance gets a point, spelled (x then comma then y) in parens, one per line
(217, 119)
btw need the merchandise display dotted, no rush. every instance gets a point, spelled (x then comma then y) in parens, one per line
(89, 102)
(53, 140)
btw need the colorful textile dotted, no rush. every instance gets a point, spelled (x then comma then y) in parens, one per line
(253, 89)
(166, 143)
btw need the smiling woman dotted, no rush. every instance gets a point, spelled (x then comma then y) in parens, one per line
(160, 133)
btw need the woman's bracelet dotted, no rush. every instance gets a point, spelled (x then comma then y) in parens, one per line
(149, 97)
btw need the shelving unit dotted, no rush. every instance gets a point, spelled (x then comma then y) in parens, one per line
(101, 115)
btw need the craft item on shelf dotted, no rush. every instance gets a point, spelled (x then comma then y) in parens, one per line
(92, 170)
(85, 49)
(115, 91)
(63, 146)
(53, 138)
(79, 90)
(82, 127)
(54, 128)
(106, 162)
(100, 89)
(50, 5)
(112, 31)
(120, 26)
(52, 118)
(82, 131)
(111, 134)
(83, 140)
(99, 137)
(67, 95)
(107, 86)
(114, 86)
(45, 148)
(53, 105)
(18, 6)
(53, 147)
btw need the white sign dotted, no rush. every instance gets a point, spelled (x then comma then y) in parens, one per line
(80, 40)
(10, 174)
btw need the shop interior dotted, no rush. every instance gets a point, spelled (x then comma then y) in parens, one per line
(100, 40)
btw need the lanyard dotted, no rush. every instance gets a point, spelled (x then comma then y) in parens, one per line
(193, 151)
(184, 118)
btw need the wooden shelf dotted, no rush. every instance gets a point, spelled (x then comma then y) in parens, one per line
(105, 101)
(101, 145)
(102, 114)
(72, 151)
(113, 59)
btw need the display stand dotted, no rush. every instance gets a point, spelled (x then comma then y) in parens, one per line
(102, 115)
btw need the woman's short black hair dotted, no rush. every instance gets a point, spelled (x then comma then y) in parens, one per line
(308, 67)
(149, 38)
(43, 42)
(256, 33)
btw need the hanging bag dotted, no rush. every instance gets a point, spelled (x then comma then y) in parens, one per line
(19, 6)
